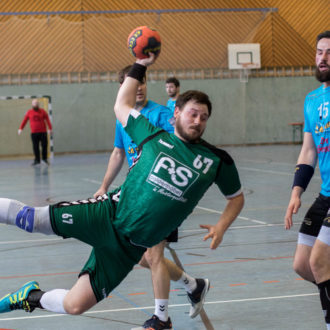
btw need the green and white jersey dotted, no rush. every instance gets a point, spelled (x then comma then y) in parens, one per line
(167, 182)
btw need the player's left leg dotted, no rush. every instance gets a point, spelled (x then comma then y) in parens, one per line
(320, 266)
(30, 219)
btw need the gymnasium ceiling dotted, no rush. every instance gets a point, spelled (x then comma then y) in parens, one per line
(64, 36)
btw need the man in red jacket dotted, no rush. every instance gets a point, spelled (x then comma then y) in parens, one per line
(38, 118)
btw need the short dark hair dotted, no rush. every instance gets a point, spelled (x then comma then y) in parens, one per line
(123, 72)
(197, 96)
(174, 81)
(325, 34)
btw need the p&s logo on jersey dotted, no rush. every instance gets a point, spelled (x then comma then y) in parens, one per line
(170, 176)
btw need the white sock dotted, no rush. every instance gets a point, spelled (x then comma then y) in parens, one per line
(188, 282)
(52, 301)
(161, 309)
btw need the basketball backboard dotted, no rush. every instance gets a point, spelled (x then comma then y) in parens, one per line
(243, 56)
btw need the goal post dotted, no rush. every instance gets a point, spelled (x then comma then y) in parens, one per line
(12, 111)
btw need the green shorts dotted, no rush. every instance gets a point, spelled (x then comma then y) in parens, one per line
(91, 221)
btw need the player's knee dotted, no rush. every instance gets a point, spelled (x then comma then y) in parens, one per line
(33, 219)
(154, 258)
(301, 267)
(143, 262)
(296, 265)
(73, 307)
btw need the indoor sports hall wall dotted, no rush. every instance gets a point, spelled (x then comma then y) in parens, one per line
(45, 44)
(255, 112)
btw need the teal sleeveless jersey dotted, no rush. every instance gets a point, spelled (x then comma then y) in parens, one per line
(167, 182)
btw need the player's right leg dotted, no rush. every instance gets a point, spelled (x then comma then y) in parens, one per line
(75, 301)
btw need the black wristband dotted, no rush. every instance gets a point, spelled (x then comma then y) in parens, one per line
(302, 175)
(137, 71)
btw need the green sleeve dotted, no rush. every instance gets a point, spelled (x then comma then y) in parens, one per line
(138, 127)
(228, 179)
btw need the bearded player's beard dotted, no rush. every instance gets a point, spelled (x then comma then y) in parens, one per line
(322, 76)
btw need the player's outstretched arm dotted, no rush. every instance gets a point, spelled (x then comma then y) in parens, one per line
(232, 210)
(115, 163)
(126, 96)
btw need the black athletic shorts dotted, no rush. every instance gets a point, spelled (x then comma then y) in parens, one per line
(314, 217)
(173, 237)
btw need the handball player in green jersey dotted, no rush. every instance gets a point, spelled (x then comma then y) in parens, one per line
(164, 185)
(162, 269)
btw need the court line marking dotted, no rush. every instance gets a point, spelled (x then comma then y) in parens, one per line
(273, 172)
(239, 217)
(170, 306)
(33, 241)
(240, 227)
(265, 171)
(97, 182)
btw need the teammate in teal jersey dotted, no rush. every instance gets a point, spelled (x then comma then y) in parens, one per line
(170, 177)
(311, 259)
(172, 86)
(162, 269)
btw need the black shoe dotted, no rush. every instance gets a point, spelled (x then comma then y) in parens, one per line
(45, 162)
(197, 297)
(156, 324)
(35, 163)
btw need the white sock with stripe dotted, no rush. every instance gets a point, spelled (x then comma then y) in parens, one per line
(188, 282)
(161, 309)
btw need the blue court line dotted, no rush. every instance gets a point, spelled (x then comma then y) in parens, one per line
(138, 11)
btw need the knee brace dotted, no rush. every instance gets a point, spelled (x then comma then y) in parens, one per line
(30, 219)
